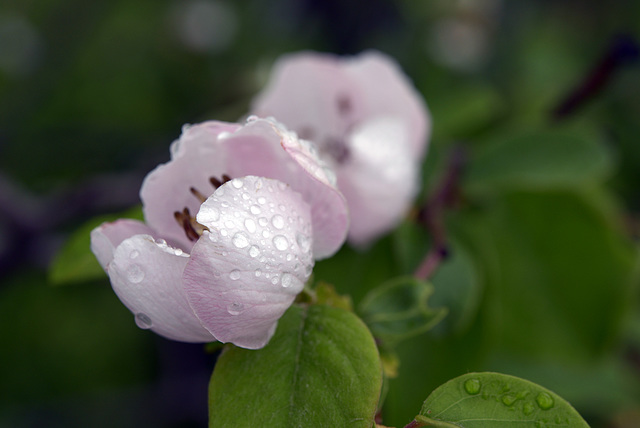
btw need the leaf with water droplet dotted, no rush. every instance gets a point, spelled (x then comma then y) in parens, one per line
(320, 369)
(488, 400)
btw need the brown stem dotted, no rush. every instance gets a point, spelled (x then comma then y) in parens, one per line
(432, 214)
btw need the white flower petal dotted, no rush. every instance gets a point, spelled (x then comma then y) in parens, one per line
(256, 257)
(106, 237)
(147, 277)
(381, 178)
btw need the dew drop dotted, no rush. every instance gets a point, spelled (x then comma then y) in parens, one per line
(161, 242)
(143, 321)
(237, 183)
(250, 225)
(265, 233)
(235, 308)
(545, 401)
(240, 240)
(472, 386)
(223, 232)
(246, 196)
(214, 235)
(277, 221)
(282, 207)
(262, 221)
(135, 274)
(280, 242)
(258, 272)
(262, 200)
(252, 118)
(287, 279)
(208, 215)
(303, 242)
(133, 254)
(178, 251)
(255, 210)
(528, 409)
(234, 274)
(508, 400)
(289, 257)
(274, 280)
(254, 251)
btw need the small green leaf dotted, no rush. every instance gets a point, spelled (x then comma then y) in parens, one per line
(75, 262)
(488, 400)
(399, 309)
(536, 160)
(320, 369)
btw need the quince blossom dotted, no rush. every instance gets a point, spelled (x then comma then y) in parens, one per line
(230, 271)
(369, 123)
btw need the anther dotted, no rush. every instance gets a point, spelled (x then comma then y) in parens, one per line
(215, 182)
(197, 194)
(184, 219)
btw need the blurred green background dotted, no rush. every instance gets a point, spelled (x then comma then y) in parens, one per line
(542, 278)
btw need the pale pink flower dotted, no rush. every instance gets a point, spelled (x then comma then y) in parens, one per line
(369, 123)
(222, 258)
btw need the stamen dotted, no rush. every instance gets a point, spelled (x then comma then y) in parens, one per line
(185, 220)
(215, 182)
(197, 194)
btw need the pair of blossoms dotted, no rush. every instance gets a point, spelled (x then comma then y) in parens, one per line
(237, 217)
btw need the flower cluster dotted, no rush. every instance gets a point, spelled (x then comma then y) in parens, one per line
(237, 217)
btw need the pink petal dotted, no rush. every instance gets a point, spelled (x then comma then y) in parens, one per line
(106, 237)
(256, 257)
(196, 158)
(147, 277)
(389, 92)
(257, 149)
(380, 180)
(312, 95)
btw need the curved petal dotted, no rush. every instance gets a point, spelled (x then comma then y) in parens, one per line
(257, 149)
(147, 277)
(246, 270)
(389, 92)
(196, 158)
(312, 95)
(106, 238)
(380, 179)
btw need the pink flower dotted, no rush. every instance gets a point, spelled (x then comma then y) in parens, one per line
(222, 258)
(369, 123)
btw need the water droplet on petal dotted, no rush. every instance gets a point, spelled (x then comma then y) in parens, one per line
(234, 274)
(133, 254)
(237, 183)
(252, 118)
(208, 215)
(545, 401)
(258, 273)
(246, 196)
(250, 225)
(214, 235)
(240, 240)
(143, 321)
(287, 279)
(265, 233)
(262, 200)
(254, 251)
(135, 274)
(235, 308)
(303, 242)
(255, 210)
(472, 386)
(280, 242)
(277, 221)
(262, 221)
(274, 280)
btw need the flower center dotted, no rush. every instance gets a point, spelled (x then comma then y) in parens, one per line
(191, 227)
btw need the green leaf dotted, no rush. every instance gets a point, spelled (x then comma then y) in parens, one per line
(321, 368)
(536, 160)
(399, 309)
(75, 262)
(489, 400)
